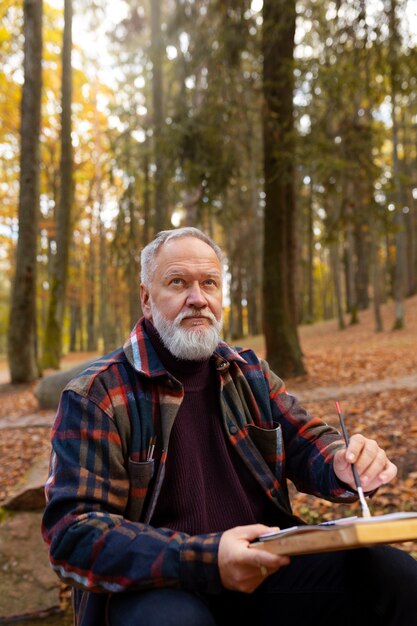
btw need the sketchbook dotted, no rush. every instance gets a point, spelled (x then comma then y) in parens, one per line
(341, 534)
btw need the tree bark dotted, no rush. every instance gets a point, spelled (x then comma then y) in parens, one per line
(255, 241)
(236, 311)
(350, 268)
(160, 208)
(309, 317)
(376, 283)
(22, 351)
(91, 292)
(361, 241)
(146, 233)
(400, 278)
(335, 265)
(54, 330)
(279, 260)
(107, 320)
(133, 268)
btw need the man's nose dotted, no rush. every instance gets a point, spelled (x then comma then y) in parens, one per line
(196, 297)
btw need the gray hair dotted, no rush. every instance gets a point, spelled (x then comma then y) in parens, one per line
(150, 251)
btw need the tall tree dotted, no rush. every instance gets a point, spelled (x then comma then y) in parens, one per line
(160, 209)
(53, 333)
(22, 351)
(400, 278)
(280, 249)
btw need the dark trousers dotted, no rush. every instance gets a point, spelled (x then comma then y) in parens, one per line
(350, 588)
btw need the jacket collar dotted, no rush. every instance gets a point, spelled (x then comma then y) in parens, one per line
(144, 359)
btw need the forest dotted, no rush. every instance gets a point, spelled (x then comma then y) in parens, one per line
(286, 130)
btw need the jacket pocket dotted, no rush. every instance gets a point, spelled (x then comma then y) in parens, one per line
(270, 445)
(140, 475)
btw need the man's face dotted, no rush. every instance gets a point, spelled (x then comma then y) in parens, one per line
(184, 301)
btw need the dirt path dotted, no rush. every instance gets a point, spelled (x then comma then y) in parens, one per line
(339, 391)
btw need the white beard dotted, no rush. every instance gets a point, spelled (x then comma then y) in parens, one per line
(188, 344)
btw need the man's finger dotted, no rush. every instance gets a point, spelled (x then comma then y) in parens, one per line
(356, 445)
(252, 531)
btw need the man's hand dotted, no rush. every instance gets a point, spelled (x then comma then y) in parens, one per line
(243, 568)
(374, 467)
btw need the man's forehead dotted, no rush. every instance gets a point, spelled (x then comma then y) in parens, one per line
(207, 269)
(187, 256)
(186, 249)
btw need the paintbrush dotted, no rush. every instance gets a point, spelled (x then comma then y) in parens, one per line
(364, 505)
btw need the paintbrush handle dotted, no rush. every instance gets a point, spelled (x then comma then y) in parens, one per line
(364, 505)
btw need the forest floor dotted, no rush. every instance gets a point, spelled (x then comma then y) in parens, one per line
(373, 374)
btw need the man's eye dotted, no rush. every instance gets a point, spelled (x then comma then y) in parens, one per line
(177, 281)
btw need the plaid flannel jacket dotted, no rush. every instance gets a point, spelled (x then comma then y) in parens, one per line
(102, 489)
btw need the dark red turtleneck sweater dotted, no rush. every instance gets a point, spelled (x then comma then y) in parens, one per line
(207, 486)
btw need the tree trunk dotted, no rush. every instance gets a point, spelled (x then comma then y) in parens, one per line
(76, 329)
(309, 317)
(350, 269)
(400, 270)
(254, 262)
(335, 265)
(146, 233)
(107, 320)
(91, 292)
(376, 283)
(360, 235)
(400, 279)
(135, 311)
(254, 323)
(54, 330)
(160, 208)
(22, 350)
(411, 256)
(92, 282)
(236, 311)
(280, 249)
(410, 216)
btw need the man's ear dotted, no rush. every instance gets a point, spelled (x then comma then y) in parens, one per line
(145, 302)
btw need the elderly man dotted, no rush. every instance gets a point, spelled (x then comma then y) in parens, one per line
(172, 454)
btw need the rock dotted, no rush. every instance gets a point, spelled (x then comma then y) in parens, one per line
(26, 500)
(48, 391)
(29, 492)
(27, 581)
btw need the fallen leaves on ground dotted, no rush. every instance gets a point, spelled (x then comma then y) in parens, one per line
(358, 354)
(17, 400)
(18, 448)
